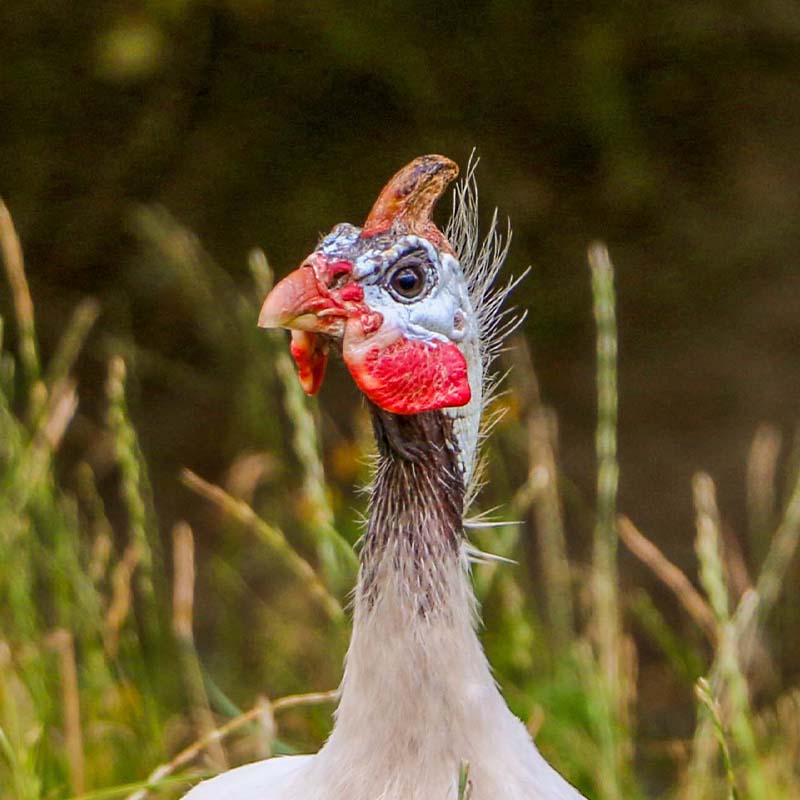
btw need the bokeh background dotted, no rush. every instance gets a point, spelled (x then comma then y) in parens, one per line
(670, 130)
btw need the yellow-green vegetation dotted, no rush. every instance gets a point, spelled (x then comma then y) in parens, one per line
(135, 657)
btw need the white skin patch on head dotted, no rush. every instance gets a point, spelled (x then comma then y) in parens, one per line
(433, 314)
(339, 240)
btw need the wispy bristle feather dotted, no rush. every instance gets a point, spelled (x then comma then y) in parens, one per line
(481, 260)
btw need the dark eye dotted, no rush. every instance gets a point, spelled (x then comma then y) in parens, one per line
(408, 279)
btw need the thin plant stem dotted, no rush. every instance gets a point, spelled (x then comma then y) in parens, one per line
(604, 567)
(69, 346)
(670, 575)
(182, 626)
(23, 304)
(272, 536)
(705, 695)
(542, 492)
(63, 643)
(330, 543)
(464, 783)
(779, 556)
(128, 457)
(727, 677)
(121, 597)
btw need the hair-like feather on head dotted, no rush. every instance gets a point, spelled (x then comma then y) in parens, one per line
(482, 259)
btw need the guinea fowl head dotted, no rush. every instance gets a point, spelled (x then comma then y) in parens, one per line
(410, 307)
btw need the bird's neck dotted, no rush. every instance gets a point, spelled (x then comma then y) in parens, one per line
(416, 677)
(418, 698)
(412, 547)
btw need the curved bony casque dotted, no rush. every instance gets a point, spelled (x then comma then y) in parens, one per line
(418, 316)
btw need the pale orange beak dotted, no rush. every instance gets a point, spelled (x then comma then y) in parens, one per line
(303, 303)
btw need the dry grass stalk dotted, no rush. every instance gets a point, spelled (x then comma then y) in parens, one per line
(709, 544)
(762, 463)
(183, 581)
(787, 718)
(23, 303)
(736, 571)
(267, 730)
(727, 679)
(263, 276)
(605, 544)
(672, 577)
(247, 472)
(62, 642)
(127, 455)
(102, 536)
(629, 662)
(550, 523)
(69, 346)
(272, 536)
(305, 442)
(63, 402)
(121, 597)
(102, 547)
(541, 494)
(779, 556)
(464, 783)
(705, 696)
(182, 626)
(51, 425)
(188, 754)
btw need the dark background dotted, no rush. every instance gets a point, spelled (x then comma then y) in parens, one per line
(670, 130)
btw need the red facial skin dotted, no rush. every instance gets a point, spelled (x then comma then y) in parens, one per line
(310, 353)
(401, 375)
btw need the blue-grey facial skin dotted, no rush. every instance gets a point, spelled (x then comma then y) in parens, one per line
(442, 311)
(442, 306)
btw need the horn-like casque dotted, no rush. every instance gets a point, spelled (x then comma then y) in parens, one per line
(407, 201)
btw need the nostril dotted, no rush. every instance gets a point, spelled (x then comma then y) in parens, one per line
(339, 273)
(331, 273)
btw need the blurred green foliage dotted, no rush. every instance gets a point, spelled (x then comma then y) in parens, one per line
(131, 132)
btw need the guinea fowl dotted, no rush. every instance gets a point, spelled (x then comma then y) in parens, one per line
(418, 319)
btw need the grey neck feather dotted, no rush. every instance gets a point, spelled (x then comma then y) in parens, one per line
(416, 509)
(417, 688)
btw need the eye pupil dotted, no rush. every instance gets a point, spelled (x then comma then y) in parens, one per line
(408, 281)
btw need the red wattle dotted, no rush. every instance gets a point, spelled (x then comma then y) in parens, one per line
(408, 376)
(310, 353)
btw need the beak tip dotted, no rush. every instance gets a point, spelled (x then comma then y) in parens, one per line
(270, 316)
(288, 299)
(266, 321)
